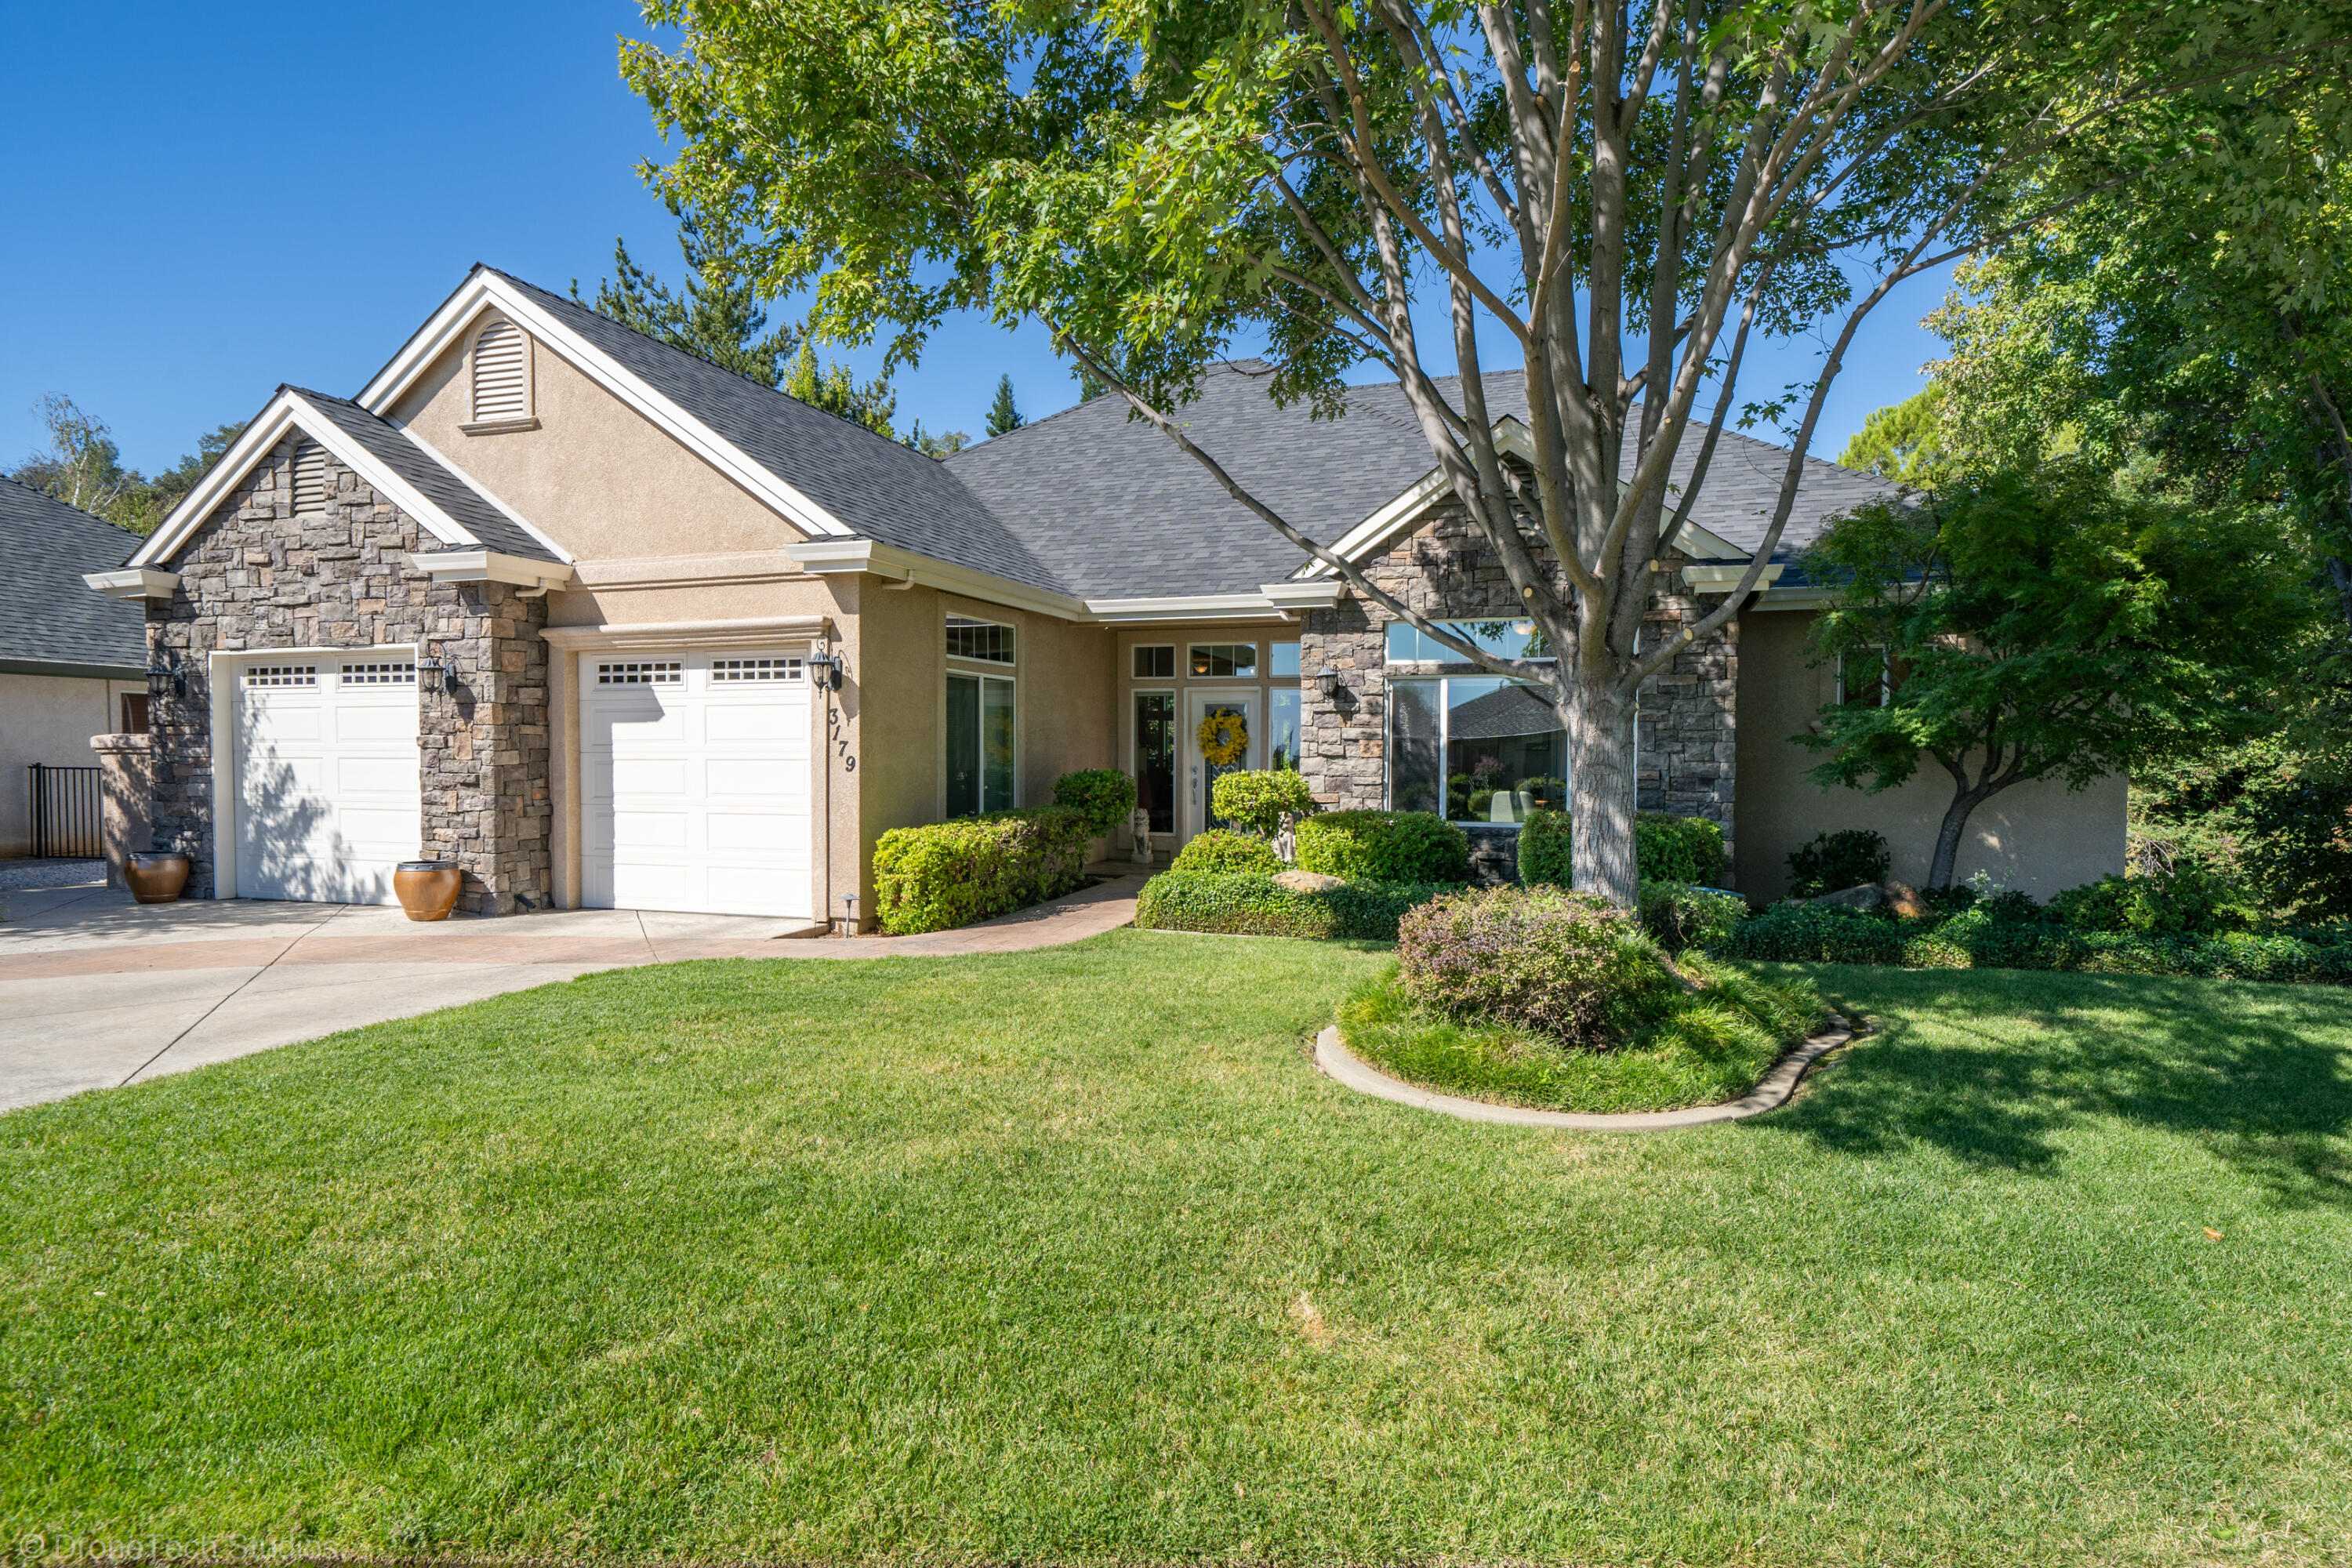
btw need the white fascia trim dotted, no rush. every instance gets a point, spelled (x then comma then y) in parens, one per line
(486, 290)
(1187, 608)
(489, 566)
(1716, 578)
(1301, 596)
(827, 556)
(475, 485)
(133, 583)
(290, 412)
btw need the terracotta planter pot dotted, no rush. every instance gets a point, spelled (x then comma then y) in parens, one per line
(157, 876)
(427, 889)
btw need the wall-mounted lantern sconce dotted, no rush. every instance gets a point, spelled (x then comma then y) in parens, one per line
(167, 668)
(433, 672)
(831, 665)
(1328, 683)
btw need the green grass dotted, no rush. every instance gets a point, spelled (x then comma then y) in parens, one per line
(1071, 1256)
(1705, 1049)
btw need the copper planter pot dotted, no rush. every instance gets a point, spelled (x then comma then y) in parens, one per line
(157, 876)
(427, 889)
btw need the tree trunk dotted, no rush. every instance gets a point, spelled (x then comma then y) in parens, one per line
(1601, 791)
(1948, 837)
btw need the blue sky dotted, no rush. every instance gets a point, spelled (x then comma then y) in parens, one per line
(208, 201)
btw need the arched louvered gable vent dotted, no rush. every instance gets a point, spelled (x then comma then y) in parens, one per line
(501, 374)
(309, 477)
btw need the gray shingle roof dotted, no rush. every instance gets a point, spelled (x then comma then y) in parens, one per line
(47, 614)
(1091, 503)
(1120, 512)
(874, 486)
(463, 504)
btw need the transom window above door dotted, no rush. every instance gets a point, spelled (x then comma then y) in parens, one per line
(1213, 661)
(1505, 638)
(984, 641)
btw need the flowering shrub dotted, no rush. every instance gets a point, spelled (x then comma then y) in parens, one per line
(1257, 800)
(1568, 965)
(1218, 850)
(1384, 846)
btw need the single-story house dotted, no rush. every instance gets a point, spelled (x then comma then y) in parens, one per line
(609, 625)
(71, 666)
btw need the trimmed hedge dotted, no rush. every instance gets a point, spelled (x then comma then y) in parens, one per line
(1665, 848)
(1384, 846)
(2002, 934)
(949, 874)
(1252, 904)
(1220, 849)
(1104, 797)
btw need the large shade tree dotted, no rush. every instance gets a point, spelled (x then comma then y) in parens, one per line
(1608, 200)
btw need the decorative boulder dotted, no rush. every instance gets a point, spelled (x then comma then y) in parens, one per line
(1905, 900)
(1299, 882)
(1868, 896)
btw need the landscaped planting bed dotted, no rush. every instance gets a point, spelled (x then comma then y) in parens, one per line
(1071, 1256)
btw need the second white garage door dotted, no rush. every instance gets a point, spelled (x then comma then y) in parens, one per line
(695, 783)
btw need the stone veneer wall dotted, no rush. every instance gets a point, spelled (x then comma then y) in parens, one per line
(1445, 570)
(255, 577)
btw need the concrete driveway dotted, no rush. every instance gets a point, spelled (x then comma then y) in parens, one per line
(97, 991)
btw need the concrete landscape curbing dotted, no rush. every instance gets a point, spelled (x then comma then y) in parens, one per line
(1343, 1065)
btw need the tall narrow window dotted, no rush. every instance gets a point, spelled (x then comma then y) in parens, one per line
(980, 741)
(501, 374)
(309, 479)
(1155, 757)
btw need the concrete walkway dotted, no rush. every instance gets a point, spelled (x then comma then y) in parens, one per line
(96, 991)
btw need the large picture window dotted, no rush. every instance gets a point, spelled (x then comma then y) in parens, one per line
(1474, 748)
(980, 746)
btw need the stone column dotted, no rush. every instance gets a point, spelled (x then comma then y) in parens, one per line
(126, 782)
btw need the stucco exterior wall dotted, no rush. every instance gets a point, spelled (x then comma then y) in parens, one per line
(2037, 837)
(255, 577)
(48, 719)
(595, 475)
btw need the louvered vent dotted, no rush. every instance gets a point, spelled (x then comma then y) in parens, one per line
(309, 479)
(501, 373)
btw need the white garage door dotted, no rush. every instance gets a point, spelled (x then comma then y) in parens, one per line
(328, 801)
(695, 783)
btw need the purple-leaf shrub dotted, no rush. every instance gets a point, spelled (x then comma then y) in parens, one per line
(1539, 958)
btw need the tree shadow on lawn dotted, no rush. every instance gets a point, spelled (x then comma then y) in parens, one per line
(1989, 1067)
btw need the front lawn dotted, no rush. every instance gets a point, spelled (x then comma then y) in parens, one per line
(1071, 1255)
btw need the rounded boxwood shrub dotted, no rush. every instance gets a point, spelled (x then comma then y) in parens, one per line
(1569, 965)
(1544, 844)
(1384, 846)
(1834, 862)
(1104, 797)
(1251, 903)
(1258, 800)
(1219, 851)
(1679, 916)
(1679, 849)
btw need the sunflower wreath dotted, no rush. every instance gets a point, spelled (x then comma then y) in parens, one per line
(1223, 738)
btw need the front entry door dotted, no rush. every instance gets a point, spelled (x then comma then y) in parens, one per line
(1200, 773)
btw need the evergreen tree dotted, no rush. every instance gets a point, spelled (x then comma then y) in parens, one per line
(717, 317)
(1902, 442)
(1089, 388)
(947, 444)
(1002, 414)
(833, 388)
